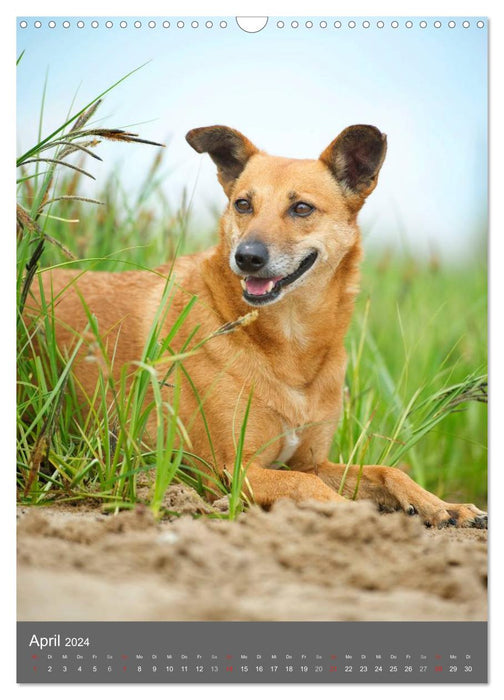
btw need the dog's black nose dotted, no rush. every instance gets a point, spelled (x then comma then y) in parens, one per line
(251, 256)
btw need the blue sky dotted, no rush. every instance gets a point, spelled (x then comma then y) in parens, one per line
(291, 91)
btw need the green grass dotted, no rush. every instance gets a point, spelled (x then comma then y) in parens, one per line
(416, 380)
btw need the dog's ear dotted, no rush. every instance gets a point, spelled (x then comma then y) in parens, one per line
(228, 149)
(355, 158)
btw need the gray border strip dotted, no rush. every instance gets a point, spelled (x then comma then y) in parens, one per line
(252, 652)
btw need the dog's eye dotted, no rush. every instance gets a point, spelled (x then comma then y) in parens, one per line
(243, 206)
(302, 209)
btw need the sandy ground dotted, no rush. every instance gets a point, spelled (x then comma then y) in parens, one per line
(296, 562)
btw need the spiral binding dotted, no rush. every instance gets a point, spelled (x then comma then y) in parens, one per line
(286, 23)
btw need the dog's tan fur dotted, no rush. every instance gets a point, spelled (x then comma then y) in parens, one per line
(292, 356)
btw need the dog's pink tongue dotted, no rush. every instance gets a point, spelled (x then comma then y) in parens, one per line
(257, 286)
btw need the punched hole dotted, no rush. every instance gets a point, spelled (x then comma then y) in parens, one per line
(251, 25)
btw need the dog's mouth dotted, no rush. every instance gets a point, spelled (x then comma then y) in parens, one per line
(262, 290)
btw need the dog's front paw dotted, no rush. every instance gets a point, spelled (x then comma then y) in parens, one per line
(442, 514)
(414, 500)
(467, 515)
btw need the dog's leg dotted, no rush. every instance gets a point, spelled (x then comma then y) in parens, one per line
(391, 489)
(267, 486)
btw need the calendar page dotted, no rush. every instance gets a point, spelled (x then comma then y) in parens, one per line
(251, 302)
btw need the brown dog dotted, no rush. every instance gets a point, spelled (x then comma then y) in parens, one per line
(289, 247)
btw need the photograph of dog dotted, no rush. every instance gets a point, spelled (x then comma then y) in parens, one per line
(251, 319)
(288, 256)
